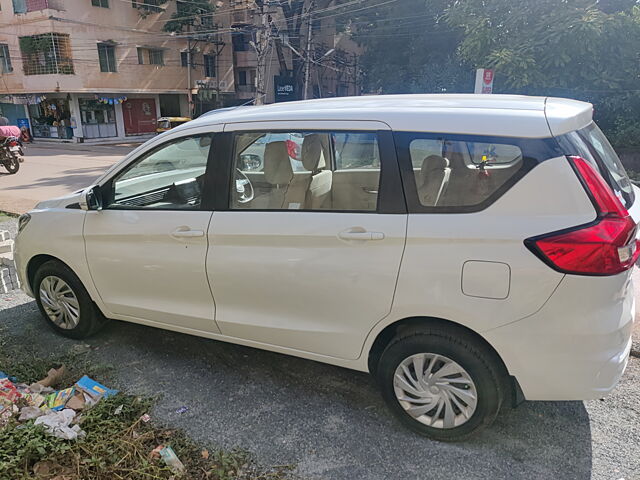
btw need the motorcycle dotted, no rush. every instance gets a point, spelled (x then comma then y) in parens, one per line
(11, 154)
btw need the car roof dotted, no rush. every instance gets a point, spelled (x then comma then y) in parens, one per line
(496, 115)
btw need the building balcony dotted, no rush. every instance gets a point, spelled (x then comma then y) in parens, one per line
(246, 59)
(26, 6)
(245, 92)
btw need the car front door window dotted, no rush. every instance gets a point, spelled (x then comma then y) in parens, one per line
(169, 177)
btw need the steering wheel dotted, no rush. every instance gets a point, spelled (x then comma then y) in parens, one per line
(244, 188)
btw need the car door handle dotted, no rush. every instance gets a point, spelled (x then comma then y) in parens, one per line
(360, 235)
(369, 190)
(186, 232)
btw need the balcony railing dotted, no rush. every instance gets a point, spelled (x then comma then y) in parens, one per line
(25, 6)
(245, 88)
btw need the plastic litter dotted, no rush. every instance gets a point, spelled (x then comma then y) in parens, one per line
(182, 409)
(145, 418)
(118, 410)
(29, 413)
(57, 411)
(171, 459)
(58, 424)
(94, 389)
(8, 391)
(57, 400)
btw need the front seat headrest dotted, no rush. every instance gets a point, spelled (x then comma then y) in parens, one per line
(311, 152)
(277, 166)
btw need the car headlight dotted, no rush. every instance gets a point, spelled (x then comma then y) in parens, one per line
(22, 221)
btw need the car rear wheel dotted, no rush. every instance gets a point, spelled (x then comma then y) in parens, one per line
(441, 383)
(64, 302)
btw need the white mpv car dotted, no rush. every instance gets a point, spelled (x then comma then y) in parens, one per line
(468, 251)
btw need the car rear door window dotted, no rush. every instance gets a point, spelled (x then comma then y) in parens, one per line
(311, 171)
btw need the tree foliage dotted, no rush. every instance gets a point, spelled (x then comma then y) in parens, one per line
(191, 15)
(584, 49)
(409, 47)
(551, 44)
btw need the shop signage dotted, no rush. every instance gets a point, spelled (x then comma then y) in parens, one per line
(285, 88)
(484, 80)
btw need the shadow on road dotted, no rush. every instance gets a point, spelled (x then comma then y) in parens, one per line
(328, 420)
(83, 150)
(75, 177)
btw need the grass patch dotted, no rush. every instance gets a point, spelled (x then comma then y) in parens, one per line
(115, 446)
(5, 217)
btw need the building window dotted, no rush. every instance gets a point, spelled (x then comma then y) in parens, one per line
(209, 65)
(48, 53)
(5, 60)
(107, 57)
(147, 5)
(151, 56)
(184, 59)
(241, 42)
(242, 77)
(156, 56)
(100, 3)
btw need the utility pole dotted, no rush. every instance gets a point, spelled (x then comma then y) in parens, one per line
(262, 46)
(307, 60)
(189, 93)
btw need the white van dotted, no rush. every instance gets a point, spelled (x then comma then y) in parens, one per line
(468, 251)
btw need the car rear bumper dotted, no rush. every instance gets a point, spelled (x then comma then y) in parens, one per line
(576, 347)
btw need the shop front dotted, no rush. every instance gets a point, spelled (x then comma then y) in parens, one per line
(51, 118)
(98, 118)
(140, 116)
(12, 112)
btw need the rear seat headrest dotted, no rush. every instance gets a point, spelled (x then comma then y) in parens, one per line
(311, 152)
(434, 163)
(277, 166)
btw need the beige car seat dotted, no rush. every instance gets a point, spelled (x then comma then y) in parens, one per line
(318, 193)
(434, 180)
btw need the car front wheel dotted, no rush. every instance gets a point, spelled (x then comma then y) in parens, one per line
(64, 302)
(442, 383)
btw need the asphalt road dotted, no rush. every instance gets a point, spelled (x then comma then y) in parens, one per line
(331, 422)
(53, 170)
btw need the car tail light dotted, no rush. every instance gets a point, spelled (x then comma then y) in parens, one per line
(606, 246)
(293, 149)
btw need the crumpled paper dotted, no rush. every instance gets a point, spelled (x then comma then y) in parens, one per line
(29, 413)
(58, 424)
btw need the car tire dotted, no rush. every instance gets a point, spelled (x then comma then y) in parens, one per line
(64, 302)
(475, 372)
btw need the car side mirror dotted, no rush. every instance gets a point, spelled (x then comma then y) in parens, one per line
(91, 198)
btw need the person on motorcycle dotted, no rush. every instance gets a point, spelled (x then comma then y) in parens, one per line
(7, 130)
(9, 158)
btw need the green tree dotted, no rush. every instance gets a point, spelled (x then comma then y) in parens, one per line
(572, 48)
(191, 15)
(408, 47)
(542, 44)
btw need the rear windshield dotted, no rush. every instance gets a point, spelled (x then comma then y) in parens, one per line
(592, 145)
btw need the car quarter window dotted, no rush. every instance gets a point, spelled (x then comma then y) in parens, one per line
(170, 176)
(456, 172)
(309, 170)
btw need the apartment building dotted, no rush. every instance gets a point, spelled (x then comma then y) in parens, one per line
(90, 70)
